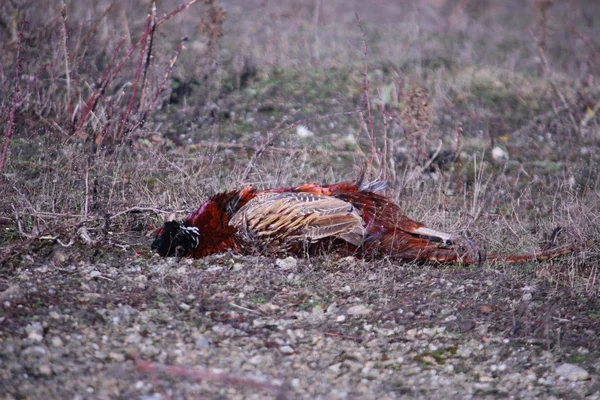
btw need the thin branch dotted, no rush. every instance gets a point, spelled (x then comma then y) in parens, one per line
(152, 369)
(367, 101)
(18, 95)
(586, 40)
(87, 194)
(245, 309)
(384, 117)
(91, 103)
(553, 82)
(457, 163)
(135, 210)
(136, 82)
(274, 136)
(542, 117)
(163, 84)
(148, 56)
(291, 150)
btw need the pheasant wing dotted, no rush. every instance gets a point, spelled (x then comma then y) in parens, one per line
(280, 219)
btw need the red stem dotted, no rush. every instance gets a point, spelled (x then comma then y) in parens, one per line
(138, 73)
(143, 37)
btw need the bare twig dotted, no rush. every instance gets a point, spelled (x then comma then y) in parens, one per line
(316, 14)
(63, 29)
(106, 81)
(291, 150)
(457, 163)
(245, 309)
(148, 57)
(138, 73)
(135, 210)
(542, 117)
(92, 101)
(18, 95)
(163, 84)
(87, 194)
(273, 135)
(586, 40)
(384, 117)
(153, 369)
(553, 82)
(367, 101)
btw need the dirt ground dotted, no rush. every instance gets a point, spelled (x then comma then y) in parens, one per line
(88, 311)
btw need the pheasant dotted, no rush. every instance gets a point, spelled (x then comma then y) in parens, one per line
(344, 218)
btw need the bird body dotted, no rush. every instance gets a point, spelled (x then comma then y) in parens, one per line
(345, 219)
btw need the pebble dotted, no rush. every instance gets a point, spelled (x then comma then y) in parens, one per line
(202, 343)
(95, 274)
(54, 315)
(141, 281)
(56, 342)
(185, 307)
(35, 337)
(45, 369)
(286, 263)
(498, 153)
(286, 349)
(304, 132)
(572, 372)
(360, 309)
(118, 357)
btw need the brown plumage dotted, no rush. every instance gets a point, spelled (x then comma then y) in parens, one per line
(344, 218)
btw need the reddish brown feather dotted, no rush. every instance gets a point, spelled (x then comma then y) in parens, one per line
(387, 231)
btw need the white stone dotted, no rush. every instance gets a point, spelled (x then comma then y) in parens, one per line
(286, 263)
(360, 309)
(304, 132)
(498, 154)
(572, 372)
(95, 274)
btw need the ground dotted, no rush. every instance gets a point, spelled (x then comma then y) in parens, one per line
(273, 94)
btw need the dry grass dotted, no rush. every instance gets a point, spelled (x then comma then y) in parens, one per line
(90, 139)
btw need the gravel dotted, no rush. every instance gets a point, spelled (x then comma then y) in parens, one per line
(334, 331)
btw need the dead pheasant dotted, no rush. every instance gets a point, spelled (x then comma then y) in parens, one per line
(345, 219)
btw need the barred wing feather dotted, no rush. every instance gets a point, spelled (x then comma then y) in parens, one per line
(287, 217)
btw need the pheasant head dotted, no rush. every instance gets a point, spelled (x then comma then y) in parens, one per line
(176, 240)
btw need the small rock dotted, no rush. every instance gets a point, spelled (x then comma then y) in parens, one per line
(286, 350)
(185, 307)
(133, 338)
(335, 367)
(286, 263)
(304, 132)
(56, 342)
(340, 318)
(35, 351)
(59, 256)
(485, 309)
(268, 307)
(141, 281)
(360, 309)
(498, 154)
(95, 274)
(202, 343)
(118, 357)
(572, 372)
(35, 337)
(45, 369)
